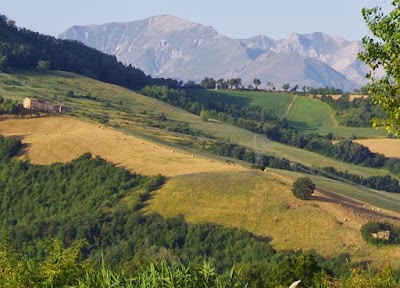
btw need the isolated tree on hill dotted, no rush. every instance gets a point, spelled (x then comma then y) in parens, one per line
(303, 188)
(270, 85)
(286, 86)
(381, 50)
(256, 82)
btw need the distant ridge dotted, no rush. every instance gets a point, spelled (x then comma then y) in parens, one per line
(167, 46)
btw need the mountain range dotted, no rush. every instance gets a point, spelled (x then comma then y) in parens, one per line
(170, 47)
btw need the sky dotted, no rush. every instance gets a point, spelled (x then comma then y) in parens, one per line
(234, 18)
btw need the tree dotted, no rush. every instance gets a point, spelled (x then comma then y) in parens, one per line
(303, 188)
(304, 88)
(381, 51)
(235, 82)
(208, 83)
(270, 86)
(256, 82)
(286, 86)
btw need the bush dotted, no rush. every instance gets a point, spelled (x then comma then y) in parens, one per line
(303, 188)
(370, 228)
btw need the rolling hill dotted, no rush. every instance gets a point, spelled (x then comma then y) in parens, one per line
(200, 185)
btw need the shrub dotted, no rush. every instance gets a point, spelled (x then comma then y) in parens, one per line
(303, 188)
(367, 231)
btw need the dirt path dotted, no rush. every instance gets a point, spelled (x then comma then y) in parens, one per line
(351, 207)
(357, 208)
(290, 106)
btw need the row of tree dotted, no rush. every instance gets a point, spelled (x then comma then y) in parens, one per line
(356, 113)
(261, 160)
(265, 122)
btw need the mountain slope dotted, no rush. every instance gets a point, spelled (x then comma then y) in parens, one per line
(166, 46)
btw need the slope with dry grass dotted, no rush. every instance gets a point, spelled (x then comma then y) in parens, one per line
(264, 205)
(61, 139)
(387, 147)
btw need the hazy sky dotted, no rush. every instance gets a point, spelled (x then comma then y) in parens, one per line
(234, 18)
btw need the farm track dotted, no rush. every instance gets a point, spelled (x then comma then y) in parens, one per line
(355, 207)
(290, 106)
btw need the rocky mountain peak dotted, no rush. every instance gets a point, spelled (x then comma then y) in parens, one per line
(168, 46)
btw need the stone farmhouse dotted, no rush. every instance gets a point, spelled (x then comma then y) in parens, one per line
(42, 105)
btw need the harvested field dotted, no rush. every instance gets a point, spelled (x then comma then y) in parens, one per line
(61, 139)
(387, 147)
(261, 202)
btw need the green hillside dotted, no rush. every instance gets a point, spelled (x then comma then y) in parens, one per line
(137, 114)
(312, 115)
(306, 114)
(279, 102)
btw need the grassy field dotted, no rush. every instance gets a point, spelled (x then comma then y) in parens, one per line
(260, 203)
(277, 101)
(202, 188)
(312, 115)
(306, 114)
(61, 139)
(129, 112)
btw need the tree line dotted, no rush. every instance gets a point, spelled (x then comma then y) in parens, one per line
(261, 161)
(265, 122)
(356, 113)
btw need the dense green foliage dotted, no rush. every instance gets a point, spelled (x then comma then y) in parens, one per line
(265, 122)
(367, 231)
(63, 267)
(325, 91)
(356, 113)
(381, 51)
(303, 188)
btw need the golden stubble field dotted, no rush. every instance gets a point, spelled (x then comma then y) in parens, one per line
(61, 139)
(263, 204)
(203, 189)
(387, 147)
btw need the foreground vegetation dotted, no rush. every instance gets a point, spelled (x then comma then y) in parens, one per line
(62, 267)
(106, 212)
